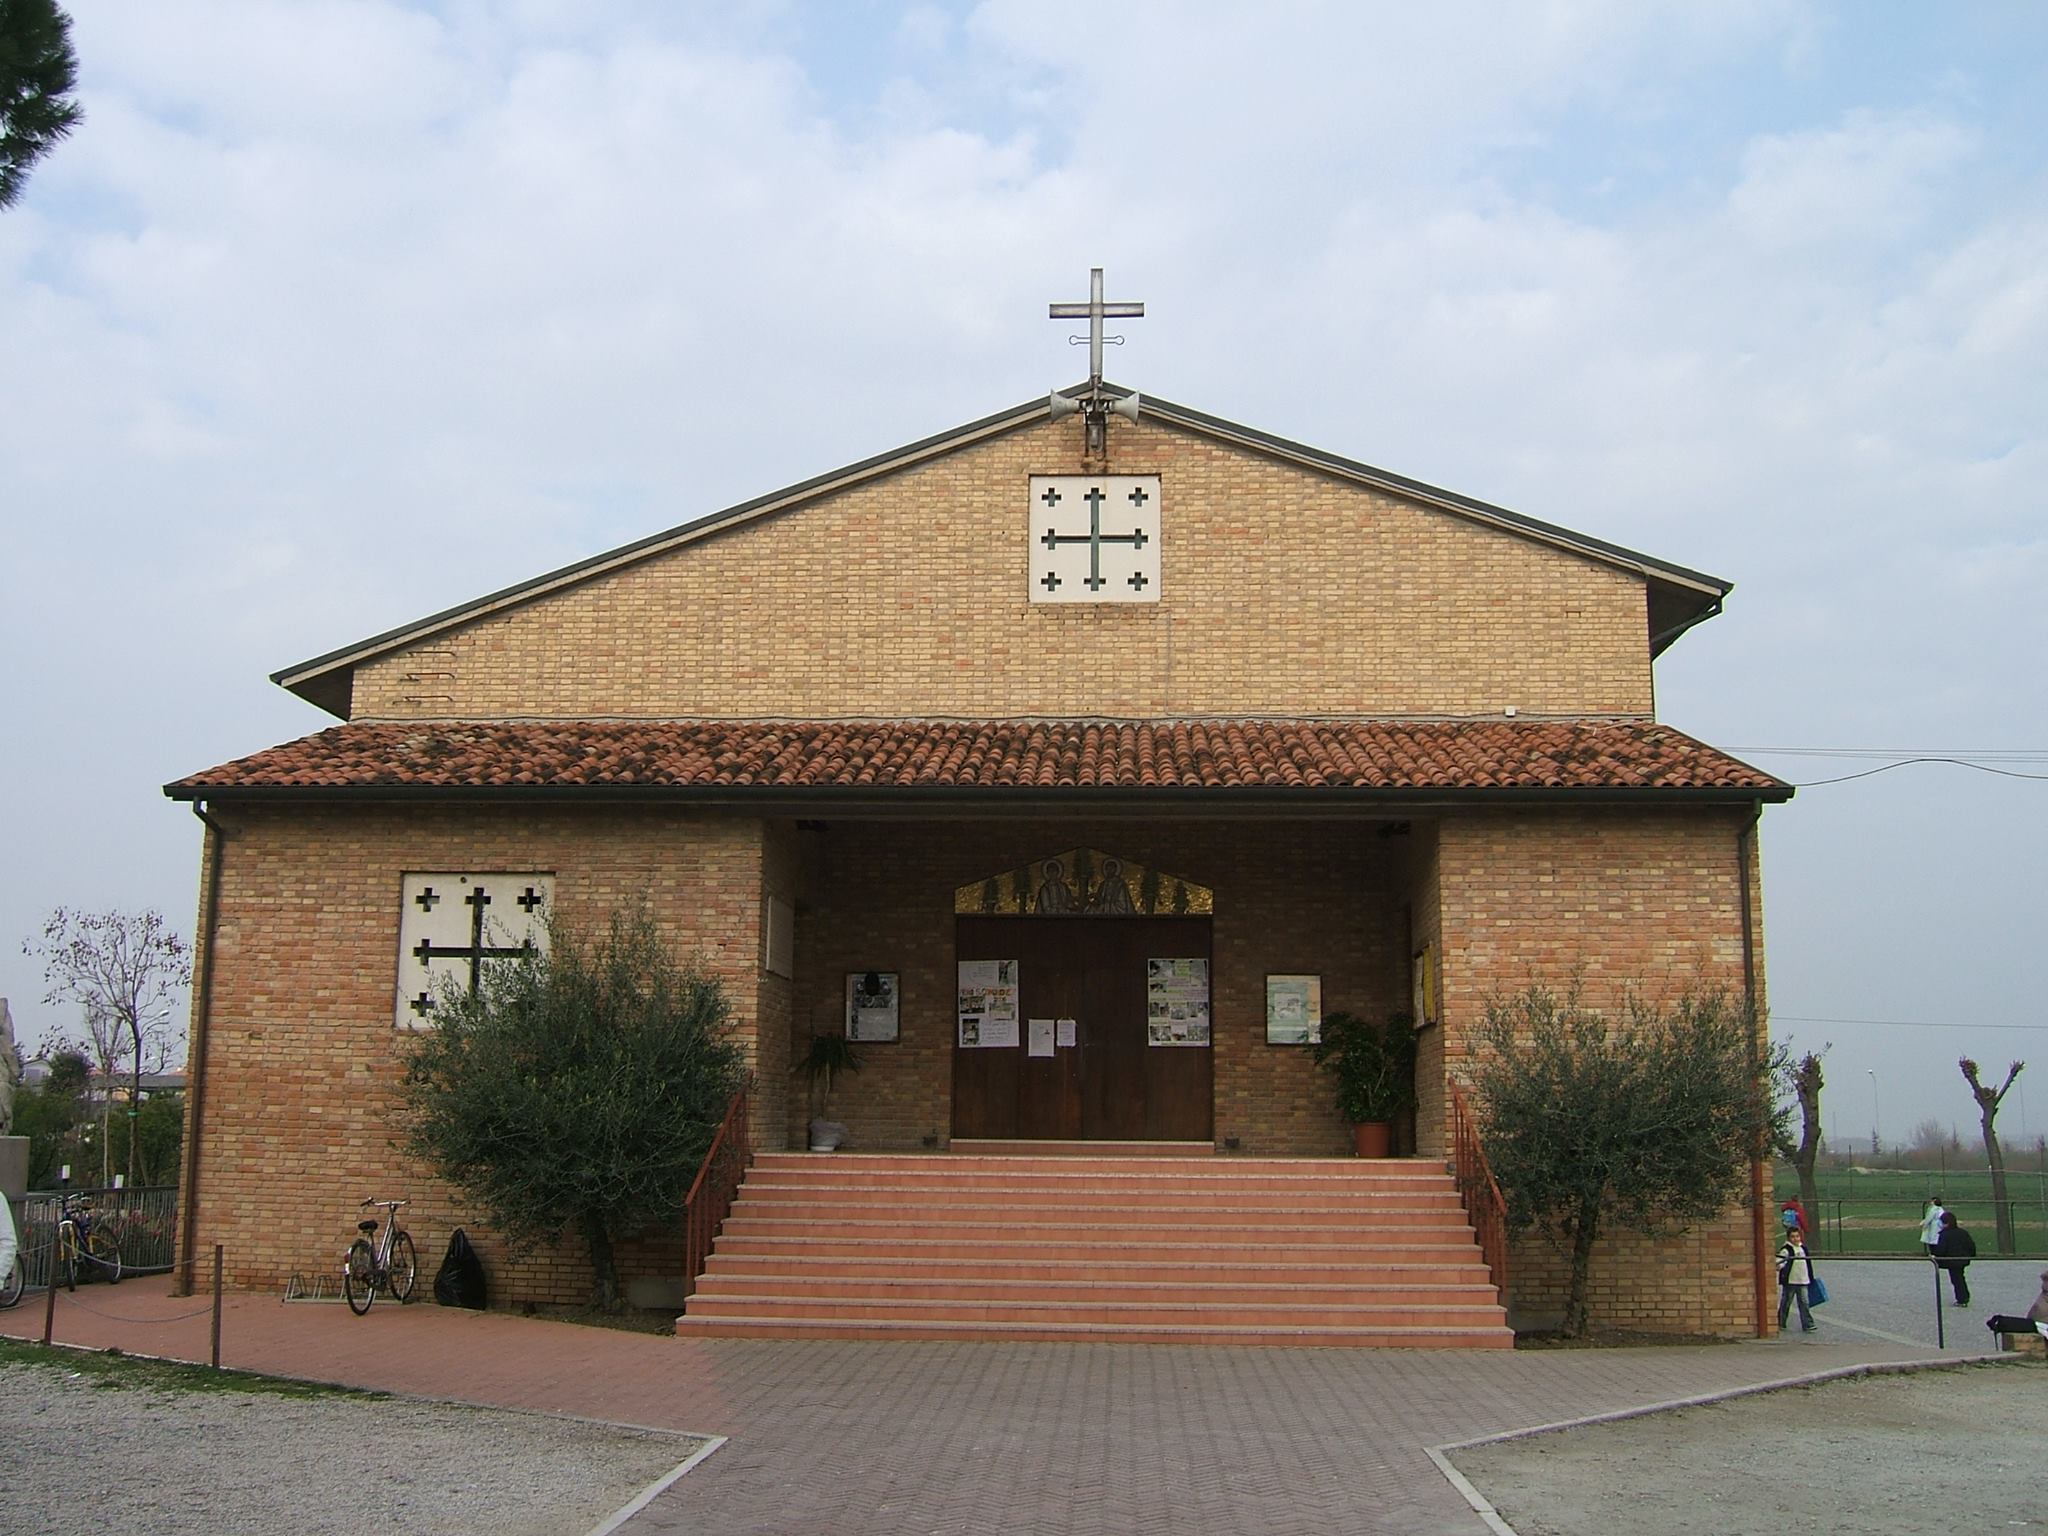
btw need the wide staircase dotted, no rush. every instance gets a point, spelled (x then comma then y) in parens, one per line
(1133, 1249)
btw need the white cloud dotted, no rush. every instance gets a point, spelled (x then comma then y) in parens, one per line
(343, 314)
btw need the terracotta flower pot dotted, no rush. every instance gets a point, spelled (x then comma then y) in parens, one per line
(1373, 1139)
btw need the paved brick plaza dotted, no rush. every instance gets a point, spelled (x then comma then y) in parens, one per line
(858, 1438)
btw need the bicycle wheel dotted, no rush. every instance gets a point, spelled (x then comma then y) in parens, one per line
(105, 1254)
(405, 1267)
(359, 1277)
(12, 1282)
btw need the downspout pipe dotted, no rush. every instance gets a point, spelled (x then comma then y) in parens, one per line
(202, 1016)
(1745, 861)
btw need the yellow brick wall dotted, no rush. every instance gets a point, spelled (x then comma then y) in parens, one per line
(304, 1116)
(1284, 591)
(1617, 899)
(303, 1111)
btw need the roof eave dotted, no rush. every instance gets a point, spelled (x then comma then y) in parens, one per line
(869, 801)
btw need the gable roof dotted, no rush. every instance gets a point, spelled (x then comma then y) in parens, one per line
(1678, 598)
(845, 764)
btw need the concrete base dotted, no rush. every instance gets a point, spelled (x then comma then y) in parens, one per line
(13, 1166)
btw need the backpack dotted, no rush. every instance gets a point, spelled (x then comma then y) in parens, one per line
(461, 1280)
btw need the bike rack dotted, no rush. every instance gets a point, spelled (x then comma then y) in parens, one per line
(319, 1288)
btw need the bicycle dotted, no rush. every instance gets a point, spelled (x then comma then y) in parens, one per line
(81, 1242)
(376, 1262)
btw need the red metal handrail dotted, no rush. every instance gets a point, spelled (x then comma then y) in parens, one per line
(1478, 1189)
(711, 1195)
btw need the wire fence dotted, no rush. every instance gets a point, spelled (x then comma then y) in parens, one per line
(1879, 1228)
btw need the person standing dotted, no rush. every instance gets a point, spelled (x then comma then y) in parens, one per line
(1953, 1251)
(1795, 1274)
(1930, 1224)
(1793, 1214)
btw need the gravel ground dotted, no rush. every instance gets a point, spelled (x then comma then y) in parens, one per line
(83, 1453)
(1858, 1454)
(1909, 1455)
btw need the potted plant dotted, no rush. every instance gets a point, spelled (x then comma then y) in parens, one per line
(1374, 1065)
(828, 1056)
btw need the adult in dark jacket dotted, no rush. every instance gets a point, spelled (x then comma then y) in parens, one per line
(1953, 1251)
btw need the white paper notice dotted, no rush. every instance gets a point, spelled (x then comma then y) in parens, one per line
(1066, 1034)
(1039, 1041)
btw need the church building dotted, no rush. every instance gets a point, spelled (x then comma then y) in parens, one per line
(1076, 762)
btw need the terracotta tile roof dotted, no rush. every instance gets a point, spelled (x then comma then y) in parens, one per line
(1009, 755)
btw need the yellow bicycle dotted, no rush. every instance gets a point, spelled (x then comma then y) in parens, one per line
(82, 1246)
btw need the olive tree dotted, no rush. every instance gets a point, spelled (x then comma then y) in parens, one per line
(1646, 1122)
(580, 1087)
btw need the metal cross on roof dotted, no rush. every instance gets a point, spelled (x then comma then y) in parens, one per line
(1095, 311)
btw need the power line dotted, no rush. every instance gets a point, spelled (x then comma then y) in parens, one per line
(1795, 1018)
(2003, 754)
(1983, 760)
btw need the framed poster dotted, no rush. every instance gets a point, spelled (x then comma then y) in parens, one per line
(1177, 1002)
(1294, 1010)
(987, 1009)
(871, 1006)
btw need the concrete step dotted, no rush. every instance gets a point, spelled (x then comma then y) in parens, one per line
(1294, 1196)
(1178, 1266)
(992, 1223)
(1223, 1335)
(1112, 1245)
(1146, 1247)
(1080, 1290)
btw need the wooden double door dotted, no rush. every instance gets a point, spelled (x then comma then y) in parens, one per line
(1111, 1084)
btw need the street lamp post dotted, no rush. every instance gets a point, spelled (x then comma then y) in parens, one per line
(1873, 1113)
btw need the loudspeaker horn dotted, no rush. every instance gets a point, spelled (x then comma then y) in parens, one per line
(1126, 408)
(1058, 405)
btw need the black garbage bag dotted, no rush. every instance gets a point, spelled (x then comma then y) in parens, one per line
(461, 1280)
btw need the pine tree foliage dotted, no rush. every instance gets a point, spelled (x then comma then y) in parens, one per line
(1648, 1122)
(37, 71)
(579, 1088)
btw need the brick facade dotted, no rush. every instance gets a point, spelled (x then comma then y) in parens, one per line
(302, 1113)
(1286, 592)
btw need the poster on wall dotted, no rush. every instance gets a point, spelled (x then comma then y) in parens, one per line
(1177, 1002)
(871, 1005)
(988, 1004)
(1426, 986)
(1294, 1010)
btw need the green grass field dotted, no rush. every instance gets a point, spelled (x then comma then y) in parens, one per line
(1878, 1211)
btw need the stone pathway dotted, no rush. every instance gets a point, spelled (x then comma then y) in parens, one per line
(942, 1437)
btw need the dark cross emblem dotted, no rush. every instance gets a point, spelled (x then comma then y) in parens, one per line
(427, 898)
(476, 951)
(1094, 538)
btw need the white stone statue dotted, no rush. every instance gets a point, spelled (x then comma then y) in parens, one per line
(10, 1068)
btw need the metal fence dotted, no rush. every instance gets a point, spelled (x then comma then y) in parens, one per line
(143, 1222)
(1880, 1228)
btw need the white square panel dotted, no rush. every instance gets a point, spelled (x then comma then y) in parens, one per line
(1094, 539)
(451, 926)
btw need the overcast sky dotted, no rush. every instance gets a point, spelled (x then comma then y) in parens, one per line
(334, 315)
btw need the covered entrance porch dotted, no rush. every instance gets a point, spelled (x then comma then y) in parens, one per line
(1101, 982)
